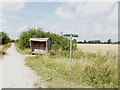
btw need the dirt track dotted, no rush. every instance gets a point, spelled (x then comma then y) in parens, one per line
(15, 74)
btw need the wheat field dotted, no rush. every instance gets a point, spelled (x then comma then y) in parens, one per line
(101, 48)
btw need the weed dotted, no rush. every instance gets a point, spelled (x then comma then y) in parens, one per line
(88, 70)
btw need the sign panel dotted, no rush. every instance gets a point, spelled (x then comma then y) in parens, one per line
(68, 35)
(74, 35)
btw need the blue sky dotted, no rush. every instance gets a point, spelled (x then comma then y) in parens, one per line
(90, 20)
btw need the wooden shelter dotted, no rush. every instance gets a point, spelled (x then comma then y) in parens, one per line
(40, 45)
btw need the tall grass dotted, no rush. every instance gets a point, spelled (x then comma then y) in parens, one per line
(3, 49)
(23, 51)
(88, 70)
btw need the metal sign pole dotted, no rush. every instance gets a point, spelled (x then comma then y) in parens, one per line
(70, 35)
(71, 50)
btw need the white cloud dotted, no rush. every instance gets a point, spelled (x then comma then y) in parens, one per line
(114, 15)
(103, 0)
(14, 31)
(0, 6)
(22, 28)
(97, 31)
(108, 30)
(56, 28)
(14, 0)
(97, 25)
(64, 13)
(58, 0)
(2, 21)
(93, 8)
(12, 17)
(5, 27)
(91, 0)
(12, 6)
(0, 29)
(112, 31)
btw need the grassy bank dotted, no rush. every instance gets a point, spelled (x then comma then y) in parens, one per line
(88, 70)
(3, 48)
(23, 51)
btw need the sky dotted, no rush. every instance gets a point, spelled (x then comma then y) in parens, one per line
(91, 20)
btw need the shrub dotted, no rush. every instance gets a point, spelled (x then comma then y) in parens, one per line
(12, 41)
(58, 42)
(4, 38)
(90, 71)
(3, 48)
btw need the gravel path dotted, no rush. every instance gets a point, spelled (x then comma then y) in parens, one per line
(15, 74)
(0, 75)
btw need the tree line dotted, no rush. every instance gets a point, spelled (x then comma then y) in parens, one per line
(96, 42)
(57, 40)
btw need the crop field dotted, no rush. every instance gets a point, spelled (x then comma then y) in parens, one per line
(99, 48)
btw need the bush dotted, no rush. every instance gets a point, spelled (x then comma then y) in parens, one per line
(4, 38)
(58, 42)
(3, 48)
(12, 41)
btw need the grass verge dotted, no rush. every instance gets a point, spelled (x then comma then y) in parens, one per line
(88, 70)
(3, 48)
(24, 51)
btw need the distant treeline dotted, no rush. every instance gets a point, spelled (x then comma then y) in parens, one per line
(98, 42)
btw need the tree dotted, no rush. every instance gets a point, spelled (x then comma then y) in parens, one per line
(84, 41)
(74, 40)
(109, 41)
(58, 42)
(12, 41)
(4, 38)
(90, 41)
